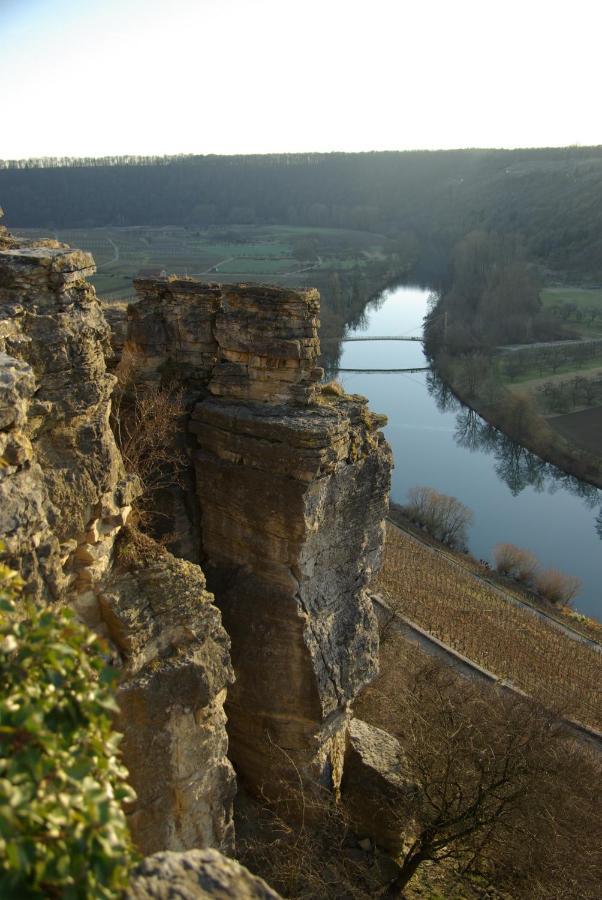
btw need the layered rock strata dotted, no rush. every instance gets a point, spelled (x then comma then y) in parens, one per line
(293, 484)
(292, 480)
(170, 342)
(171, 333)
(64, 499)
(53, 330)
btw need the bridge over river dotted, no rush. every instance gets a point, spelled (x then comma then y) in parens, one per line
(386, 371)
(377, 337)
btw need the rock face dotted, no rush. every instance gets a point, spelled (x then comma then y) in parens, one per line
(64, 499)
(171, 697)
(292, 480)
(53, 337)
(381, 800)
(196, 875)
(171, 332)
(291, 484)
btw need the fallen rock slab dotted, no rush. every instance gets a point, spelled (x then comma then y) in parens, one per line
(195, 875)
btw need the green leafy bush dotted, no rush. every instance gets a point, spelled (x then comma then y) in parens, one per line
(62, 829)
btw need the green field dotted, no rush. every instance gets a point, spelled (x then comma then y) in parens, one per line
(583, 302)
(225, 253)
(583, 297)
(258, 265)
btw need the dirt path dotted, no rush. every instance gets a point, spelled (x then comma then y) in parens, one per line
(511, 348)
(115, 255)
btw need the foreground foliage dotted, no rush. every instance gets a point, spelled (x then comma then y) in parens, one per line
(62, 830)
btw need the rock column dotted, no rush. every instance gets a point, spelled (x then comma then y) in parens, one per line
(293, 480)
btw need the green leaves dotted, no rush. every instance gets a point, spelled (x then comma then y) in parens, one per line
(62, 829)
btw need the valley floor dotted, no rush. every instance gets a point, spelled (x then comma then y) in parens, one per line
(583, 427)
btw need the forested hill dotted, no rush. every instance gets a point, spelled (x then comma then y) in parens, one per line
(553, 197)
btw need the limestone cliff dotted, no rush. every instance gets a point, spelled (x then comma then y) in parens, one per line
(292, 481)
(53, 337)
(171, 698)
(64, 499)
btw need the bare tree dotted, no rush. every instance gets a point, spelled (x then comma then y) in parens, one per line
(557, 587)
(146, 423)
(501, 790)
(515, 562)
(444, 517)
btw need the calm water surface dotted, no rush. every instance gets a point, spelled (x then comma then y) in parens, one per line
(436, 441)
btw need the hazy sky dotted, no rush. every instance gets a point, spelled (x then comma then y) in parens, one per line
(96, 77)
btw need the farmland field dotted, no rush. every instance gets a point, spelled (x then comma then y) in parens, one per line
(583, 427)
(583, 297)
(584, 301)
(257, 253)
(473, 617)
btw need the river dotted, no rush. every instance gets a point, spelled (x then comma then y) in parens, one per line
(436, 441)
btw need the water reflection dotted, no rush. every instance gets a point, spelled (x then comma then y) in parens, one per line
(516, 466)
(445, 399)
(599, 524)
(437, 441)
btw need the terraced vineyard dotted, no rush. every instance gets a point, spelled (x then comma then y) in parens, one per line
(473, 617)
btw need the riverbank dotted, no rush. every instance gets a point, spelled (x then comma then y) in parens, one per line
(515, 497)
(515, 416)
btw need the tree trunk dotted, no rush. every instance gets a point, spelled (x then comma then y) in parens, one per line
(407, 871)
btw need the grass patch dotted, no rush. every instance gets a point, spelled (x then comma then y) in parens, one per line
(582, 297)
(580, 304)
(257, 266)
(264, 252)
(534, 374)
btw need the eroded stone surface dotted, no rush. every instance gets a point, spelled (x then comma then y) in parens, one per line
(64, 500)
(376, 790)
(26, 513)
(176, 670)
(52, 328)
(292, 483)
(292, 508)
(196, 875)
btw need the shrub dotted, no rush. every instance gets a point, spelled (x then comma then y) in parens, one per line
(315, 855)
(146, 424)
(557, 587)
(333, 389)
(445, 518)
(515, 563)
(62, 830)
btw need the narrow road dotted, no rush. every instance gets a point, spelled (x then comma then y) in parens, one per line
(115, 255)
(511, 348)
(214, 270)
